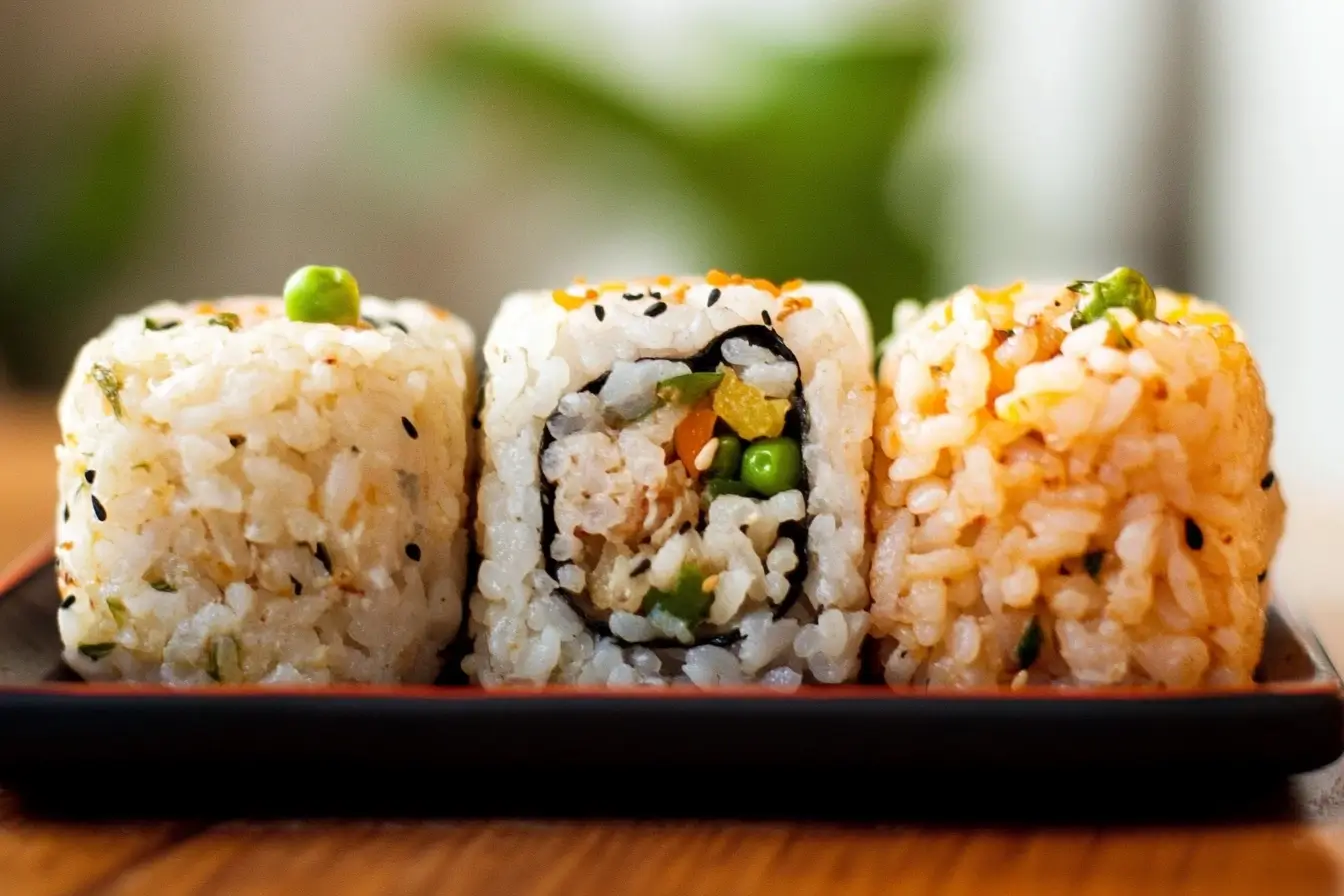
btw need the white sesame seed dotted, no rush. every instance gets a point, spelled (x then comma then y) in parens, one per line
(706, 455)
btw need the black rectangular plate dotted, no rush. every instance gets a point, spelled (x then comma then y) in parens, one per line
(57, 733)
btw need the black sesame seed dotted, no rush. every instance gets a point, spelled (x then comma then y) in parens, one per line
(98, 509)
(411, 431)
(1262, 574)
(475, 422)
(89, 476)
(1194, 536)
(320, 552)
(65, 513)
(1092, 561)
(714, 295)
(655, 309)
(632, 296)
(655, 294)
(68, 602)
(413, 551)
(1268, 481)
(600, 312)
(298, 586)
(641, 567)
(765, 316)
(235, 441)
(685, 527)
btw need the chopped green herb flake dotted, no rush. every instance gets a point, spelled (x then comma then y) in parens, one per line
(110, 386)
(1194, 536)
(1092, 561)
(1029, 645)
(687, 600)
(96, 652)
(157, 326)
(161, 585)
(228, 320)
(688, 388)
(118, 611)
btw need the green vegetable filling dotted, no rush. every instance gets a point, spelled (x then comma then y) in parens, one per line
(228, 320)
(727, 458)
(96, 652)
(118, 611)
(687, 601)
(771, 466)
(1121, 288)
(688, 388)
(322, 295)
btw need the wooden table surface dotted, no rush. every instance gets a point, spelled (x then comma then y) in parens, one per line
(1295, 845)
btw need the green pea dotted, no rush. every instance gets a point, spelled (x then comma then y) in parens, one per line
(1121, 288)
(322, 295)
(727, 458)
(771, 466)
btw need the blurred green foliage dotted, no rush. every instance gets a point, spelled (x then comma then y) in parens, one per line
(798, 184)
(71, 210)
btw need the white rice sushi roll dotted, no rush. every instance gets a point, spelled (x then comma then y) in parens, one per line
(674, 477)
(1073, 487)
(250, 498)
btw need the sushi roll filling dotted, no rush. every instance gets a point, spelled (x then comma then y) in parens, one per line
(673, 494)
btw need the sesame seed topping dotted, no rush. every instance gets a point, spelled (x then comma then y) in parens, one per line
(600, 312)
(765, 316)
(68, 602)
(632, 296)
(411, 431)
(298, 586)
(684, 527)
(413, 551)
(1194, 536)
(655, 294)
(89, 476)
(235, 441)
(714, 295)
(1268, 482)
(1260, 577)
(65, 514)
(655, 309)
(99, 510)
(641, 567)
(320, 552)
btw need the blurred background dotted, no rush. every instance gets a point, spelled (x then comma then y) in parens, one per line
(457, 151)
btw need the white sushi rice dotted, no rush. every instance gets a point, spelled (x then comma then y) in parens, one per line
(541, 350)
(262, 502)
(1111, 482)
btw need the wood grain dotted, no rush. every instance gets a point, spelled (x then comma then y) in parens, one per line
(1291, 845)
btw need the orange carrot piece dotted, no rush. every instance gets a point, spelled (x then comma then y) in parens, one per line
(693, 433)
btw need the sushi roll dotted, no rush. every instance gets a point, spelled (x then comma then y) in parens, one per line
(267, 490)
(673, 488)
(1072, 487)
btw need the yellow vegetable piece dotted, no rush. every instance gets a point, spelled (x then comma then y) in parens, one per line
(746, 409)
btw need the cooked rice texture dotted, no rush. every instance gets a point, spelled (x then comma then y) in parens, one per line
(622, 503)
(267, 515)
(1111, 481)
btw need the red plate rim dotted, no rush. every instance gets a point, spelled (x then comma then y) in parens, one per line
(40, 553)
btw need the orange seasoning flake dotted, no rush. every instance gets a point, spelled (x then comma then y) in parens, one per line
(792, 305)
(766, 286)
(716, 278)
(791, 285)
(572, 302)
(663, 280)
